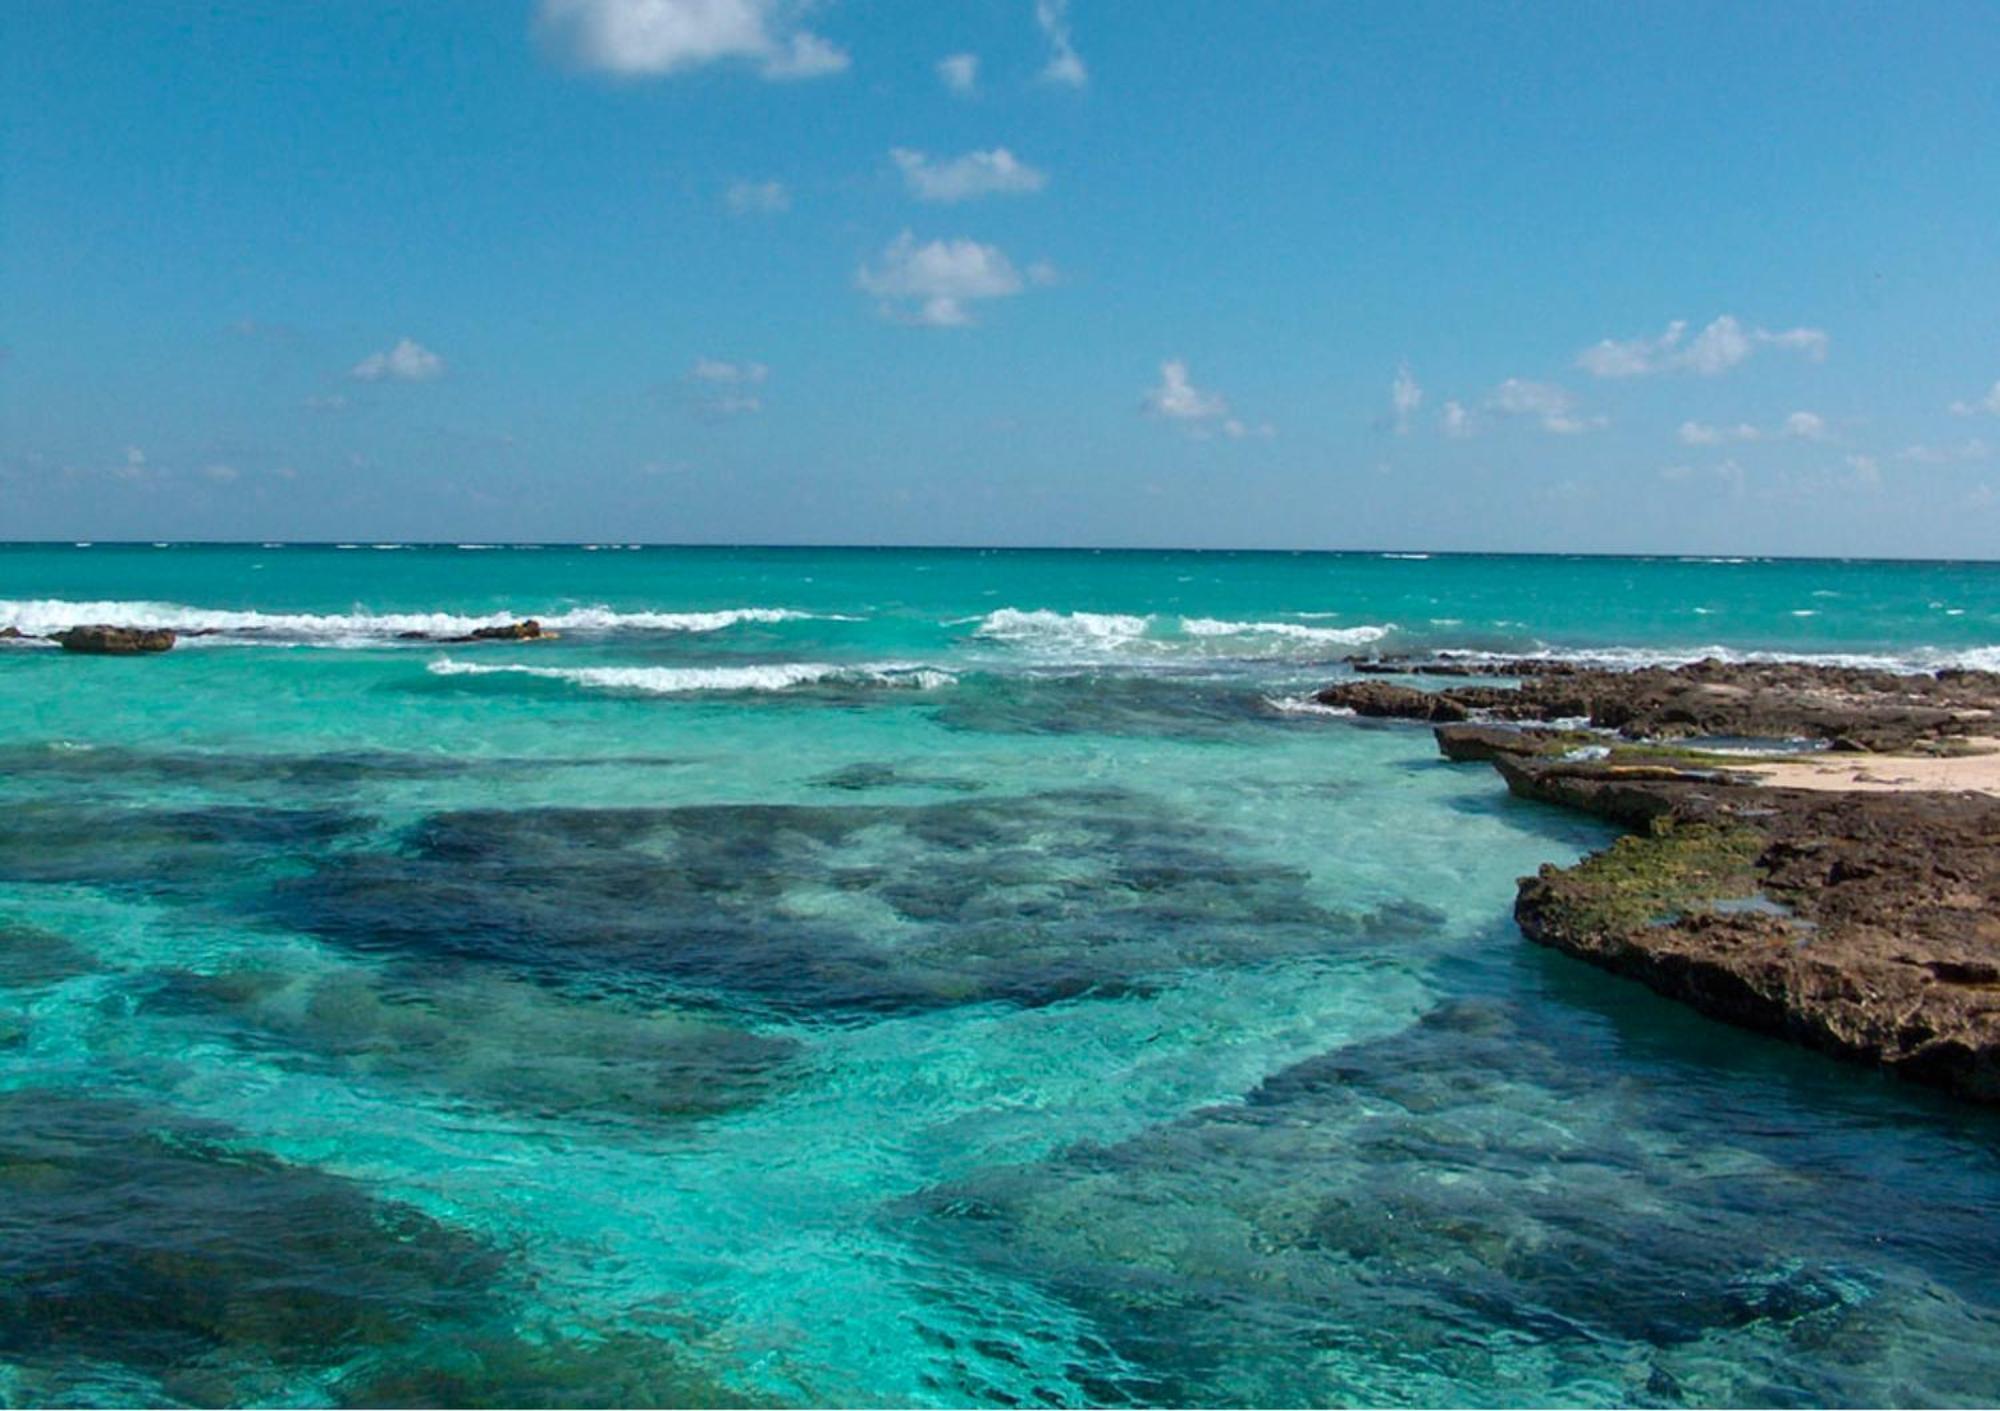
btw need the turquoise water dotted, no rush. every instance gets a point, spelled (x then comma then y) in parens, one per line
(901, 977)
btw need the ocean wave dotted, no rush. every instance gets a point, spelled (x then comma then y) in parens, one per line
(684, 680)
(1306, 705)
(1326, 636)
(1125, 636)
(41, 617)
(1042, 626)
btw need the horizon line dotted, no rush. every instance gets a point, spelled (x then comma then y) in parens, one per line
(628, 545)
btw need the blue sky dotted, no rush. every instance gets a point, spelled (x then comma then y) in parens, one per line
(1688, 277)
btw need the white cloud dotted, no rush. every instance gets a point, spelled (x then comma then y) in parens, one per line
(1963, 453)
(334, 403)
(645, 37)
(1722, 345)
(1549, 404)
(758, 198)
(1065, 65)
(1631, 358)
(1864, 472)
(1238, 430)
(1799, 426)
(729, 388)
(1405, 396)
(1695, 433)
(1178, 399)
(995, 173)
(1456, 420)
(1988, 403)
(133, 467)
(408, 361)
(933, 283)
(220, 474)
(714, 370)
(959, 73)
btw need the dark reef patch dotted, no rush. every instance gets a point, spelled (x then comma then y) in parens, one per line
(115, 766)
(134, 1235)
(160, 850)
(31, 956)
(1341, 1234)
(826, 909)
(484, 1037)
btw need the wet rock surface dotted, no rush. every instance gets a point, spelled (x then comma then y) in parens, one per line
(99, 639)
(1846, 707)
(1863, 925)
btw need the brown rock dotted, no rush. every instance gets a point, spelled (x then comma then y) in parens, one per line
(524, 631)
(1381, 699)
(1859, 924)
(101, 640)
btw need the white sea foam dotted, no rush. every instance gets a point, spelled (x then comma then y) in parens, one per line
(1325, 636)
(42, 616)
(683, 680)
(1306, 705)
(1124, 636)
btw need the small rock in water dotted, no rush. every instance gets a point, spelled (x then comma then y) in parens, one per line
(99, 639)
(525, 631)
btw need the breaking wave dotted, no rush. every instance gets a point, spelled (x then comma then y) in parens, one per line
(684, 680)
(1105, 636)
(43, 616)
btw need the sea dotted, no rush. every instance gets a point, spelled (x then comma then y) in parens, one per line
(903, 977)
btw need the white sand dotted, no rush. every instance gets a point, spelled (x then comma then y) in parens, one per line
(1885, 773)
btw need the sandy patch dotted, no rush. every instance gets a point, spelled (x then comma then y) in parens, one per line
(1883, 773)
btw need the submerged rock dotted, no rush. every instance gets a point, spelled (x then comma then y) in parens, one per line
(159, 850)
(101, 640)
(826, 911)
(1393, 1222)
(491, 1039)
(133, 1235)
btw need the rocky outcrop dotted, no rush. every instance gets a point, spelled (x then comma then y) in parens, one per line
(1464, 742)
(1863, 925)
(527, 630)
(1847, 708)
(1381, 699)
(101, 640)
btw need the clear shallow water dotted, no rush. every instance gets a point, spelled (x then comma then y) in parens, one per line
(900, 977)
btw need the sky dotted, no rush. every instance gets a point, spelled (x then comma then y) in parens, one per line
(1690, 277)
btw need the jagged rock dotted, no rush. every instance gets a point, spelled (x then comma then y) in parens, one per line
(1850, 708)
(1466, 741)
(526, 630)
(1865, 925)
(99, 639)
(1379, 698)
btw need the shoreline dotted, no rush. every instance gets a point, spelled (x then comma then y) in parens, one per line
(1847, 899)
